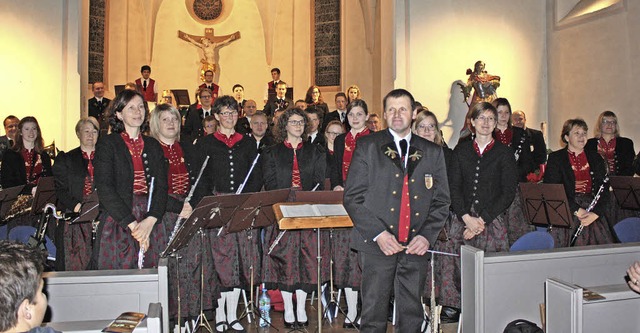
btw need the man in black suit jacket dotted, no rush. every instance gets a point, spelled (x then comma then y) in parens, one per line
(315, 136)
(539, 147)
(280, 102)
(397, 196)
(97, 104)
(10, 129)
(339, 114)
(192, 128)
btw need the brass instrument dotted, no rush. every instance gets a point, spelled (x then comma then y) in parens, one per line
(51, 150)
(21, 206)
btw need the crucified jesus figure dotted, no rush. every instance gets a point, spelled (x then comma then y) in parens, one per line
(208, 44)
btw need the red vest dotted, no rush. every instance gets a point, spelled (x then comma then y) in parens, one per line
(214, 91)
(149, 94)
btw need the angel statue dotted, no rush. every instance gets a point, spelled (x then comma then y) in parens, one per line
(484, 87)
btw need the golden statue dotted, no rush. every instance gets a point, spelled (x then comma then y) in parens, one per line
(484, 87)
(208, 44)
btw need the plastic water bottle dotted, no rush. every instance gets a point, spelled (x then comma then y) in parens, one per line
(264, 305)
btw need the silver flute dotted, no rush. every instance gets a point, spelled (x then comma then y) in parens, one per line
(179, 220)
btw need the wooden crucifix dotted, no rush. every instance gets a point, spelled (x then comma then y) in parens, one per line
(208, 43)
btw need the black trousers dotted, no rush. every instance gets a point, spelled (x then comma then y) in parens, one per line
(402, 273)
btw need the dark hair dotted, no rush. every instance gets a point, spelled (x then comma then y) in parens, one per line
(236, 86)
(397, 93)
(481, 107)
(355, 103)
(20, 275)
(281, 131)
(275, 69)
(9, 117)
(118, 104)
(208, 71)
(145, 67)
(309, 98)
(18, 143)
(340, 94)
(503, 101)
(204, 89)
(570, 124)
(224, 101)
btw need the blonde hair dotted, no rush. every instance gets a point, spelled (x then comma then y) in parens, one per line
(597, 131)
(154, 121)
(422, 115)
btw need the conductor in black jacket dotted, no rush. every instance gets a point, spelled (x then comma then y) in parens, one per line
(397, 196)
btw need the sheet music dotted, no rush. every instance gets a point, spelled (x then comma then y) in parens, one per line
(313, 210)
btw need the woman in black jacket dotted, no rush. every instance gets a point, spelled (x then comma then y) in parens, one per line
(164, 126)
(73, 172)
(616, 150)
(130, 169)
(293, 163)
(24, 164)
(582, 173)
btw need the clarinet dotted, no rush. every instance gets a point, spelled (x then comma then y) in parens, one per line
(193, 188)
(592, 205)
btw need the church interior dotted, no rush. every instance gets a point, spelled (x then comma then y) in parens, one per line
(556, 59)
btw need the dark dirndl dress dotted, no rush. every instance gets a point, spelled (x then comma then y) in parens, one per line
(293, 262)
(250, 250)
(77, 246)
(191, 261)
(448, 274)
(117, 249)
(346, 269)
(517, 223)
(596, 233)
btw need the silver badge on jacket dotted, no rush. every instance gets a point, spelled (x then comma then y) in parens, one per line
(428, 181)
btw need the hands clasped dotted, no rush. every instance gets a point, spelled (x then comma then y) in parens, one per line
(390, 246)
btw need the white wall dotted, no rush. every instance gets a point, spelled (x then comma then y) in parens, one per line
(439, 39)
(595, 66)
(40, 64)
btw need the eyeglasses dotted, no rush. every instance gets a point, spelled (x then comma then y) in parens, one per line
(296, 122)
(205, 96)
(229, 114)
(333, 133)
(486, 119)
(427, 128)
(609, 122)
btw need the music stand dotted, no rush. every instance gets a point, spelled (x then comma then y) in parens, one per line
(317, 222)
(211, 212)
(248, 217)
(627, 191)
(546, 205)
(119, 88)
(45, 193)
(181, 96)
(8, 197)
(88, 209)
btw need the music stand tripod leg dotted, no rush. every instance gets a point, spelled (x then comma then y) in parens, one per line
(251, 309)
(201, 320)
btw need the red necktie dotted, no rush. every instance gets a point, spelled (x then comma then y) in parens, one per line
(405, 208)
